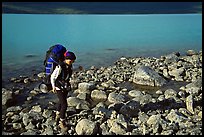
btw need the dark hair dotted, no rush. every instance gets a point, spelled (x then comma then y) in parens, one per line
(70, 55)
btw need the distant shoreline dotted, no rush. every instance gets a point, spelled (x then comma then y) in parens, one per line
(104, 13)
(101, 7)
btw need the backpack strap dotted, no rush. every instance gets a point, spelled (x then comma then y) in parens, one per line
(54, 60)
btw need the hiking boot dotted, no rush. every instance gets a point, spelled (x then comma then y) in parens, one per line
(62, 125)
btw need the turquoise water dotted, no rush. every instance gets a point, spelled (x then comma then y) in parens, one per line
(96, 39)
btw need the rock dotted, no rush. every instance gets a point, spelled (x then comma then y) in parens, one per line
(85, 87)
(17, 125)
(175, 116)
(169, 93)
(98, 95)
(135, 93)
(7, 97)
(118, 129)
(48, 131)
(77, 102)
(29, 132)
(196, 83)
(130, 109)
(191, 52)
(83, 96)
(116, 97)
(173, 57)
(41, 75)
(36, 108)
(154, 119)
(14, 109)
(177, 72)
(189, 104)
(105, 129)
(118, 124)
(86, 127)
(145, 75)
(200, 115)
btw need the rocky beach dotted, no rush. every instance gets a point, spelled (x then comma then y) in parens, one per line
(135, 96)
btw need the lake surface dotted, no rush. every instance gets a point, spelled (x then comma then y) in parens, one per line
(97, 40)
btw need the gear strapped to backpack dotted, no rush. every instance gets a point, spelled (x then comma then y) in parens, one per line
(54, 56)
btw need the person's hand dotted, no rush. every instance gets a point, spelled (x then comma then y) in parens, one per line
(54, 90)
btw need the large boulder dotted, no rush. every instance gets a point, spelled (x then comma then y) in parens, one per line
(144, 75)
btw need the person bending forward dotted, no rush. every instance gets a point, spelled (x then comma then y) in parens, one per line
(60, 85)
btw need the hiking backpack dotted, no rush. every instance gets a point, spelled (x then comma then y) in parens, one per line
(54, 55)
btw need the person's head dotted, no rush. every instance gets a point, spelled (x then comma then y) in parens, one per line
(69, 57)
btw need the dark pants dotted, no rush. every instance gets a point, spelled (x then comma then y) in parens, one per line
(62, 106)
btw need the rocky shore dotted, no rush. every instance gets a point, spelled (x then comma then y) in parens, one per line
(99, 105)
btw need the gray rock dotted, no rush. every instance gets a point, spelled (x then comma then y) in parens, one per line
(135, 93)
(131, 108)
(191, 52)
(175, 116)
(7, 97)
(170, 93)
(86, 127)
(145, 75)
(173, 57)
(189, 104)
(196, 83)
(98, 95)
(74, 101)
(85, 87)
(116, 97)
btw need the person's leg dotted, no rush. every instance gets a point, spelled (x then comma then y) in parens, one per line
(62, 95)
(62, 107)
(58, 105)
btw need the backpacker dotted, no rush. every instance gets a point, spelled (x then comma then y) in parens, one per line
(54, 56)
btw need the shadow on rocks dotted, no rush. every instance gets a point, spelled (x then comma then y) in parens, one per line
(163, 105)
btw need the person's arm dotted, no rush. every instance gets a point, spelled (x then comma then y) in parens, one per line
(54, 76)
